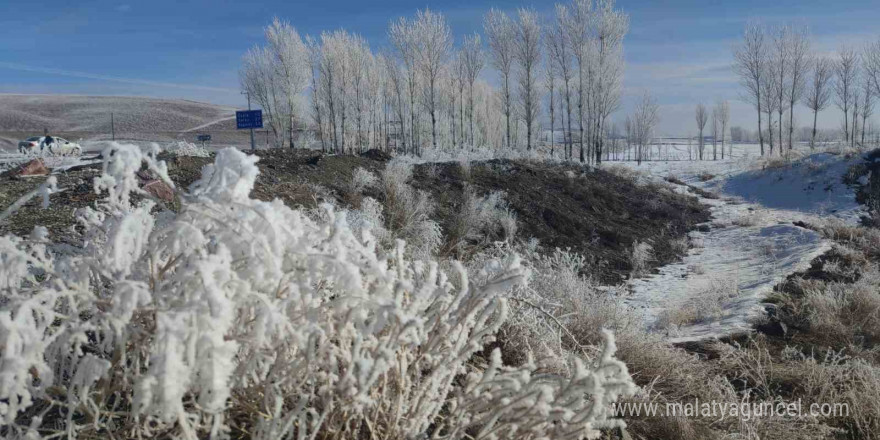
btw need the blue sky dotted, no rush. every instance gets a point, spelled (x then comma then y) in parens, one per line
(680, 50)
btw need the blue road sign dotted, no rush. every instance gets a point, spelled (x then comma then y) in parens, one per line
(249, 119)
(204, 137)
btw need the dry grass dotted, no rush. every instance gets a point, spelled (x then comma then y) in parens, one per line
(705, 176)
(636, 177)
(751, 218)
(640, 256)
(680, 245)
(707, 302)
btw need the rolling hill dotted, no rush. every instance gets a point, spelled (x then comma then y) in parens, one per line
(135, 118)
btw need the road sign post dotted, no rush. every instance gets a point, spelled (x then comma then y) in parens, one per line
(249, 119)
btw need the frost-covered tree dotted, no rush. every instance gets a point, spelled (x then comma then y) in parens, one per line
(769, 93)
(750, 60)
(317, 93)
(723, 108)
(276, 77)
(846, 69)
(461, 82)
(292, 67)
(433, 43)
(402, 35)
(797, 44)
(472, 58)
(609, 26)
(361, 60)
(560, 56)
(701, 117)
(550, 83)
(871, 61)
(578, 17)
(527, 55)
(394, 92)
(640, 125)
(781, 67)
(866, 108)
(716, 126)
(819, 91)
(259, 80)
(333, 83)
(500, 34)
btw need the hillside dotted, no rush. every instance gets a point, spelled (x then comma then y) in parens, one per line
(591, 211)
(88, 118)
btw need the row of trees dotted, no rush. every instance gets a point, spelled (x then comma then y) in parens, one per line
(779, 70)
(423, 91)
(720, 120)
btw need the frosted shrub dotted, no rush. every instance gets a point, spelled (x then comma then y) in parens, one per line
(408, 210)
(481, 217)
(706, 302)
(184, 148)
(560, 312)
(238, 317)
(362, 179)
(632, 175)
(751, 218)
(640, 255)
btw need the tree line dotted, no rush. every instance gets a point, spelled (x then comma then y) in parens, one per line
(426, 91)
(778, 70)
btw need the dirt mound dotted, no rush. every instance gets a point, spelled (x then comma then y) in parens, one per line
(590, 211)
(377, 155)
(593, 212)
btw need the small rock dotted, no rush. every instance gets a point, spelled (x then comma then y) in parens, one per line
(774, 328)
(159, 189)
(35, 167)
(145, 176)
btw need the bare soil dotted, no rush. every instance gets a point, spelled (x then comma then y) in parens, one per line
(590, 211)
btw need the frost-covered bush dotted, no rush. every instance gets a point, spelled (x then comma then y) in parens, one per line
(632, 175)
(640, 255)
(184, 148)
(408, 210)
(481, 218)
(706, 301)
(235, 317)
(560, 312)
(362, 179)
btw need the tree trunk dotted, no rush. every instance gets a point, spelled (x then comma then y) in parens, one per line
(781, 116)
(813, 137)
(471, 113)
(760, 127)
(552, 122)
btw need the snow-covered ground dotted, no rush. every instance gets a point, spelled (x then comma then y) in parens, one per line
(92, 113)
(752, 243)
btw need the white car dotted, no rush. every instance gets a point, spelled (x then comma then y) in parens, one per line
(57, 147)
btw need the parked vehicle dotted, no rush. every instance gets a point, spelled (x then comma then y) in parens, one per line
(55, 146)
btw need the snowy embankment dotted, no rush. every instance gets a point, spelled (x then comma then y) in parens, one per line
(750, 245)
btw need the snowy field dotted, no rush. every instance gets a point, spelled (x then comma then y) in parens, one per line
(751, 243)
(92, 113)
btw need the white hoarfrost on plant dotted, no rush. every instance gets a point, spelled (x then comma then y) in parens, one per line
(235, 315)
(184, 148)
